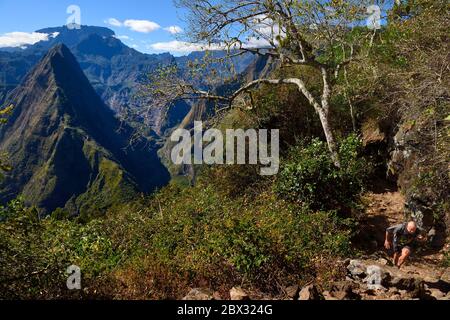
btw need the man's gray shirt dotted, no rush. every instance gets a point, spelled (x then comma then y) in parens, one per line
(400, 235)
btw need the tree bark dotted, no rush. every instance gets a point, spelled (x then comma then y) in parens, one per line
(332, 146)
(324, 114)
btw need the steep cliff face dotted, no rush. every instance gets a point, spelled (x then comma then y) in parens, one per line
(66, 147)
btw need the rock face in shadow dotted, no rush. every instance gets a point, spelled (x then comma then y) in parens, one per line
(66, 147)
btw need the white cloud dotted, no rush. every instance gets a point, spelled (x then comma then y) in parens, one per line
(123, 37)
(182, 47)
(264, 32)
(113, 22)
(255, 42)
(143, 26)
(174, 29)
(21, 39)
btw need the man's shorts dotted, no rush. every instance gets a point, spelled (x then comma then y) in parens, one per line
(399, 248)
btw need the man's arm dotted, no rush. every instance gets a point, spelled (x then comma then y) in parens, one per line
(391, 236)
(388, 240)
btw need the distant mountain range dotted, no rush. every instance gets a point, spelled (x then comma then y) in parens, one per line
(113, 69)
(67, 148)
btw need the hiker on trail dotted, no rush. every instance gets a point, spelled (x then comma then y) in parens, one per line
(401, 239)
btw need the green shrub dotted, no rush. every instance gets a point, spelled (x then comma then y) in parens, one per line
(36, 253)
(182, 236)
(260, 240)
(309, 176)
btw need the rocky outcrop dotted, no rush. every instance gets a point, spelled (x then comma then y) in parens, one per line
(418, 162)
(368, 279)
(375, 281)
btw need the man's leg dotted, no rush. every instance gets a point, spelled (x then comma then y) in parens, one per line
(406, 252)
(396, 257)
(397, 252)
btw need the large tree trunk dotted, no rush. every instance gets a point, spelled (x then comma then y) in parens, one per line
(329, 135)
(324, 114)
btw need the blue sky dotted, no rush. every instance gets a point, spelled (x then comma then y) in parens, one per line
(148, 25)
(151, 26)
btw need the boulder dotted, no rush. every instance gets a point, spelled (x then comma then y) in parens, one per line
(310, 293)
(344, 290)
(432, 280)
(438, 285)
(198, 294)
(292, 292)
(403, 293)
(436, 294)
(393, 291)
(357, 269)
(414, 287)
(372, 132)
(405, 283)
(377, 278)
(237, 294)
(419, 290)
(346, 262)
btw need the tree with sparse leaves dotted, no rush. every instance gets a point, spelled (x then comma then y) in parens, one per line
(322, 35)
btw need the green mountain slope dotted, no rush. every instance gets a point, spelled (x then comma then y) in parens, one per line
(67, 148)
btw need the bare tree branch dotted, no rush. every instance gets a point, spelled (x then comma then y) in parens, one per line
(300, 32)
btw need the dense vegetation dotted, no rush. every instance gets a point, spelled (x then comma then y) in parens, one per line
(310, 176)
(181, 237)
(235, 227)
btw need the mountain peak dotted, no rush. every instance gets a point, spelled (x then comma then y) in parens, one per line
(60, 50)
(60, 54)
(66, 145)
(58, 77)
(63, 66)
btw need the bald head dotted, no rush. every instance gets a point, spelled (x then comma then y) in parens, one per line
(412, 227)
